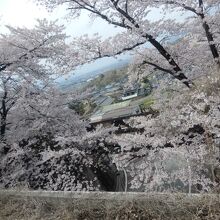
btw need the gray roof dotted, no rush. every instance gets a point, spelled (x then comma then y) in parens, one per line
(103, 100)
(116, 114)
(107, 101)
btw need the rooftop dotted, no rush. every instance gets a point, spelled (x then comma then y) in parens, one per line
(116, 113)
(115, 106)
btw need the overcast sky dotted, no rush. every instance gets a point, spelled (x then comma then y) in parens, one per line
(25, 12)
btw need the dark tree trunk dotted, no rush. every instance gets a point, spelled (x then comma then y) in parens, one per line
(3, 119)
(3, 127)
(3, 113)
(177, 72)
(210, 39)
(209, 35)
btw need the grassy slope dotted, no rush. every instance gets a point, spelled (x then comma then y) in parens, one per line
(108, 78)
(110, 206)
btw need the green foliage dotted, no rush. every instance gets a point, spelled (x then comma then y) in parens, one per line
(147, 83)
(147, 104)
(82, 107)
(108, 78)
(78, 107)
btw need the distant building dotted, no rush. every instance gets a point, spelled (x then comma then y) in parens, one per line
(129, 94)
(115, 112)
(103, 100)
(107, 101)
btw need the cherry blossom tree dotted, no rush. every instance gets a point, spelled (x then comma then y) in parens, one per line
(205, 13)
(131, 17)
(36, 123)
(29, 57)
(178, 148)
(46, 145)
(53, 146)
(39, 50)
(185, 129)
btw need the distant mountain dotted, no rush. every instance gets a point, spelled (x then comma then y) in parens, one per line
(89, 71)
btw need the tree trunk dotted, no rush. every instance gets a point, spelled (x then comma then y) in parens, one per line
(4, 113)
(209, 35)
(177, 72)
(3, 127)
(212, 45)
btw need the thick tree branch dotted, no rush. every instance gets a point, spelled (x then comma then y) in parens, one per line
(4, 66)
(156, 66)
(125, 49)
(91, 8)
(181, 5)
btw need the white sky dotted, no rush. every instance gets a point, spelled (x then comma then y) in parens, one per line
(25, 12)
(20, 12)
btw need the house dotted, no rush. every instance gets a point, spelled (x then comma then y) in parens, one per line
(115, 112)
(129, 94)
(103, 100)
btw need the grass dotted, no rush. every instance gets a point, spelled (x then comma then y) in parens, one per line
(108, 78)
(146, 104)
(111, 207)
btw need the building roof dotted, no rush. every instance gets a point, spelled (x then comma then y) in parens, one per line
(103, 100)
(115, 106)
(119, 113)
(107, 101)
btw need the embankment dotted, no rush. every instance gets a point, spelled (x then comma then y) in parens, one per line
(29, 205)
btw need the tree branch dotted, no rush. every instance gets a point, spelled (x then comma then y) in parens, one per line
(182, 5)
(91, 8)
(157, 66)
(121, 51)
